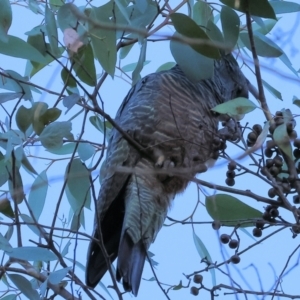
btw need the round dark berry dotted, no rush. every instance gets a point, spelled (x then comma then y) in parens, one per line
(296, 229)
(278, 161)
(296, 152)
(270, 144)
(296, 143)
(232, 165)
(230, 174)
(269, 162)
(289, 126)
(293, 135)
(278, 114)
(296, 199)
(230, 181)
(257, 128)
(266, 216)
(278, 121)
(274, 171)
(198, 278)
(224, 238)
(274, 212)
(252, 136)
(260, 224)
(233, 244)
(194, 291)
(263, 171)
(257, 232)
(271, 193)
(268, 152)
(235, 259)
(286, 187)
(216, 225)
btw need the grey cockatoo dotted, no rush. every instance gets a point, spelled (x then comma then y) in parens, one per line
(171, 117)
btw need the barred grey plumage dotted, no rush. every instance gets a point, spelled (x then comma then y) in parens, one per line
(170, 116)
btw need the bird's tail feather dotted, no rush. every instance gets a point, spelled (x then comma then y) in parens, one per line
(131, 259)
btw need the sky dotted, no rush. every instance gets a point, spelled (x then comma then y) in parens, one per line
(174, 248)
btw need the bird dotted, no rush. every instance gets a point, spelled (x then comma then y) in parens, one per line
(170, 116)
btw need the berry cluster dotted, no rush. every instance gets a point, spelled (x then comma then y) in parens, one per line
(197, 279)
(252, 136)
(279, 120)
(230, 174)
(233, 244)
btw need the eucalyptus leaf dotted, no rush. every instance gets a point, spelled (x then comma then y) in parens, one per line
(24, 286)
(4, 97)
(187, 27)
(204, 254)
(32, 254)
(53, 135)
(195, 66)
(78, 184)
(38, 193)
(230, 211)
(235, 107)
(5, 19)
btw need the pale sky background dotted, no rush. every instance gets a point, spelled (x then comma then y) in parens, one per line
(174, 248)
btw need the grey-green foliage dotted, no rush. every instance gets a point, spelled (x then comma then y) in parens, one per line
(88, 43)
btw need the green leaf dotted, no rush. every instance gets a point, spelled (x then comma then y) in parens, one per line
(100, 125)
(52, 136)
(85, 151)
(103, 42)
(29, 220)
(16, 47)
(272, 90)
(57, 276)
(268, 26)
(23, 118)
(264, 46)
(66, 149)
(67, 78)
(178, 286)
(24, 286)
(132, 66)
(5, 19)
(284, 7)
(66, 16)
(214, 32)
(260, 8)
(38, 109)
(9, 297)
(231, 26)
(32, 254)
(50, 115)
(142, 58)
(235, 107)
(202, 12)
(282, 139)
(296, 101)
(70, 101)
(37, 195)
(14, 83)
(78, 184)
(16, 189)
(4, 97)
(84, 66)
(195, 66)
(56, 4)
(230, 211)
(187, 27)
(125, 50)
(4, 244)
(166, 66)
(203, 252)
(51, 31)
